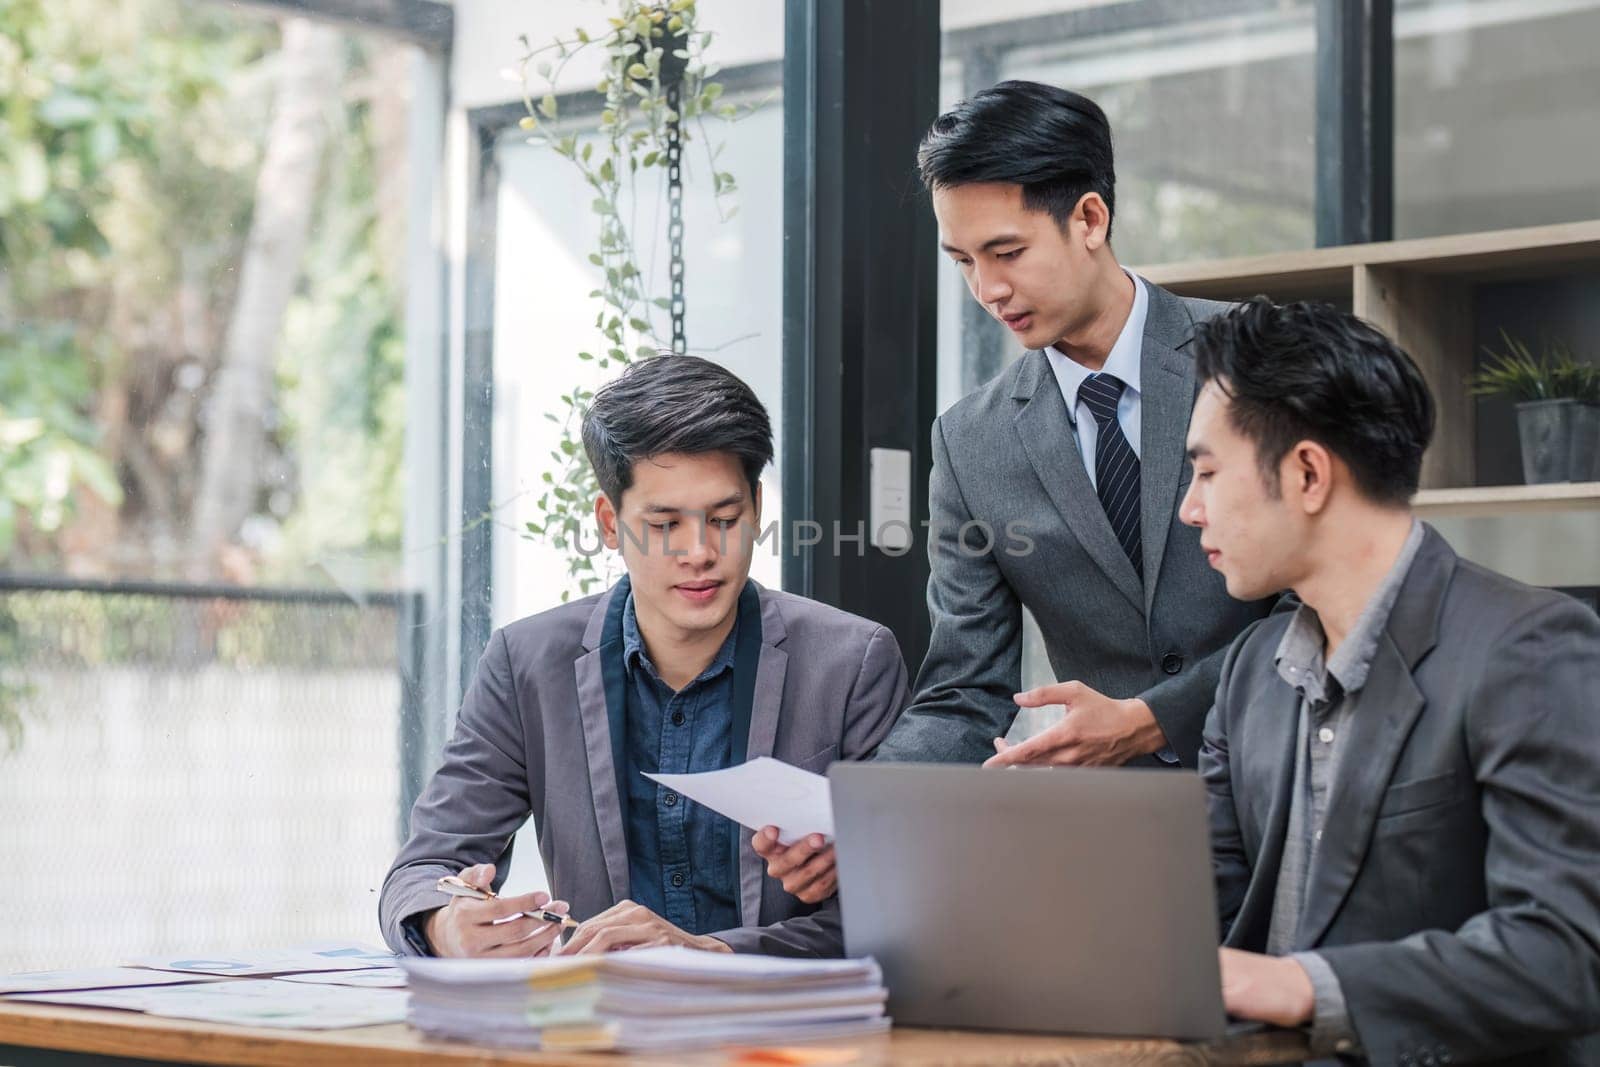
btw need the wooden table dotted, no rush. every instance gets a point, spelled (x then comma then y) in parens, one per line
(28, 1033)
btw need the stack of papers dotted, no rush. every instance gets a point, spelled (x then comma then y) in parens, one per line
(657, 999)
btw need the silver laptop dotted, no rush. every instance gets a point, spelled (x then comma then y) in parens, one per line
(1063, 900)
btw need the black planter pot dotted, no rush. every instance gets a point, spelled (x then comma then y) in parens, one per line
(1560, 441)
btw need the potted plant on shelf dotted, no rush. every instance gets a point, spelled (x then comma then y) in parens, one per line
(1558, 408)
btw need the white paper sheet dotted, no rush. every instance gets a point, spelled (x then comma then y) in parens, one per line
(249, 1002)
(762, 792)
(379, 978)
(93, 978)
(316, 956)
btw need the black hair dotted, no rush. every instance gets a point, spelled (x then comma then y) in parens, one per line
(1307, 371)
(673, 404)
(1053, 142)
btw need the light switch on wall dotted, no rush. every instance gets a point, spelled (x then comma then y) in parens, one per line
(889, 518)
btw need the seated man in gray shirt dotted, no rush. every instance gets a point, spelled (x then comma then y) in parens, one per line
(1404, 773)
(684, 665)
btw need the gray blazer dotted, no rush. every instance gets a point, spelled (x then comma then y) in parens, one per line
(1456, 890)
(532, 737)
(1007, 454)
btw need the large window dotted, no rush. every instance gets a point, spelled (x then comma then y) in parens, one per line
(1497, 114)
(1497, 125)
(1212, 110)
(206, 653)
(543, 309)
(544, 317)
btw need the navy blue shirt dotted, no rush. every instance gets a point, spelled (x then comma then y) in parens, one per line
(680, 855)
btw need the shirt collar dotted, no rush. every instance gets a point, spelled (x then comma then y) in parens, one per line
(1299, 656)
(634, 652)
(1123, 360)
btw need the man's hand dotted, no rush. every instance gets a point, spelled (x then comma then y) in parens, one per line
(805, 868)
(467, 927)
(630, 925)
(1097, 731)
(1268, 989)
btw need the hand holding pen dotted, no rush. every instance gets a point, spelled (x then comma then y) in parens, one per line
(476, 922)
(457, 887)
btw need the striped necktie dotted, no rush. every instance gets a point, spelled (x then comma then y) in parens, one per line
(1116, 468)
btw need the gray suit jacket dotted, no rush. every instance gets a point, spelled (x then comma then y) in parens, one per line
(1456, 889)
(532, 737)
(1006, 455)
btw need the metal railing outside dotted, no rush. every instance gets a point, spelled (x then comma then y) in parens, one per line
(189, 768)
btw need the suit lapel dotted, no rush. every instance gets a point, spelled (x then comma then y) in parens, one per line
(1389, 704)
(598, 729)
(767, 703)
(1050, 445)
(1166, 386)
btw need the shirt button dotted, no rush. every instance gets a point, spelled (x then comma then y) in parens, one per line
(1317, 836)
(677, 718)
(677, 879)
(1172, 663)
(670, 799)
(1344, 1044)
(1325, 735)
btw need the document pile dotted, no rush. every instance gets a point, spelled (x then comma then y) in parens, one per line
(656, 999)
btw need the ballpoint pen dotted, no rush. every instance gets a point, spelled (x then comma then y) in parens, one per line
(457, 888)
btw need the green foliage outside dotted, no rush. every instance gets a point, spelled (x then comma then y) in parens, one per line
(131, 134)
(69, 120)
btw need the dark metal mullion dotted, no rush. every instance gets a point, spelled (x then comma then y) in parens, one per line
(859, 344)
(833, 420)
(477, 401)
(1355, 121)
(799, 428)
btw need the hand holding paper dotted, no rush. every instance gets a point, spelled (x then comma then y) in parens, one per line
(806, 868)
(762, 792)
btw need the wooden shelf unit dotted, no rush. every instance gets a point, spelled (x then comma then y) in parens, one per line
(1507, 499)
(1423, 293)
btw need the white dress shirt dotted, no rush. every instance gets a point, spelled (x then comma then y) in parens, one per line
(1122, 363)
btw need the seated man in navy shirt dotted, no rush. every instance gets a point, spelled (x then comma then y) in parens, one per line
(684, 665)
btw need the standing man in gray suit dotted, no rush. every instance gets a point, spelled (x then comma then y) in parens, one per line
(1079, 443)
(1405, 772)
(684, 665)
(1055, 487)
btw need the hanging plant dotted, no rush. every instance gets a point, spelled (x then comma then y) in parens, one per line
(657, 87)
